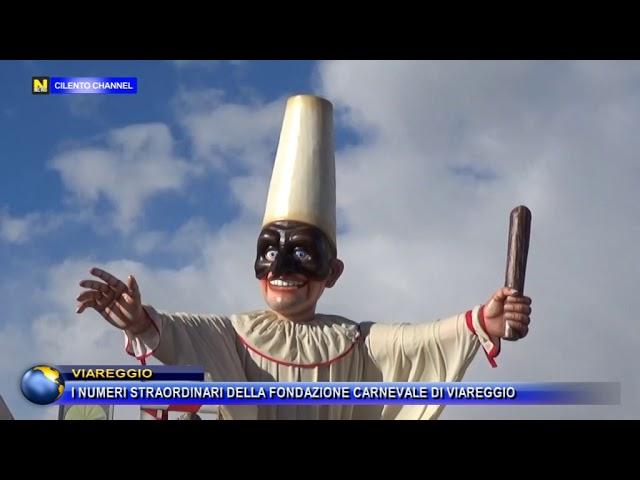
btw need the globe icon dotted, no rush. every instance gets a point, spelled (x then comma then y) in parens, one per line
(42, 384)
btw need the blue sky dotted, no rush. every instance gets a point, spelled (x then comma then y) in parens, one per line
(37, 127)
(170, 184)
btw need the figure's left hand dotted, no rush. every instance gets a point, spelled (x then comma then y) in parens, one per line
(506, 314)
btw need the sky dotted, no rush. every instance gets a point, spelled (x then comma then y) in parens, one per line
(169, 185)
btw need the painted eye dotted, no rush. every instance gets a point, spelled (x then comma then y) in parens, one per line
(271, 255)
(301, 254)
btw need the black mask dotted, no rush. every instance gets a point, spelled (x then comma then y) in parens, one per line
(293, 247)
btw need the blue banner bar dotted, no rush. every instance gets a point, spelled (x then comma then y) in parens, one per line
(326, 393)
(101, 85)
(123, 373)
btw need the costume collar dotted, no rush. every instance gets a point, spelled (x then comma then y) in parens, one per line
(319, 342)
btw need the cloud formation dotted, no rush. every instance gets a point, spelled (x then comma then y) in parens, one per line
(20, 229)
(133, 164)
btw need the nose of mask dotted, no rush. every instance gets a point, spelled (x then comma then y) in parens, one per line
(282, 264)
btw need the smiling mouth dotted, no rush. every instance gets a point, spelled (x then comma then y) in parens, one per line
(290, 284)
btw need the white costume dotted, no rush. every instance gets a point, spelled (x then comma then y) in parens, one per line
(258, 346)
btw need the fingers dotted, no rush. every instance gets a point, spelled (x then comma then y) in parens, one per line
(133, 288)
(517, 308)
(89, 295)
(128, 299)
(95, 299)
(101, 298)
(119, 317)
(112, 281)
(87, 303)
(102, 295)
(110, 310)
(111, 299)
(517, 318)
(516, 331)
(525, 300)
(94, 285)
(502, 294)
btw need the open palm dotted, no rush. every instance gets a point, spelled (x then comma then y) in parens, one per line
(117, 302)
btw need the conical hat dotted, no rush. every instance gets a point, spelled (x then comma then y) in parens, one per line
(303, 182)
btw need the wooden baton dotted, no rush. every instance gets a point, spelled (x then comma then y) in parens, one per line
(518, 248)
(517, 252)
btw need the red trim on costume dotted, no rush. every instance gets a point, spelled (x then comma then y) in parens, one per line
(184, 408)
(469, 320)
(143, 358)
(299, 365)
(495, 351)
(143, 361)
(152, 412)
(492, 362)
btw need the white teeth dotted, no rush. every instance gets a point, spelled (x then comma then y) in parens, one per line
(285, 283)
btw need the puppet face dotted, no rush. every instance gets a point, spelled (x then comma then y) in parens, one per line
(295, 262)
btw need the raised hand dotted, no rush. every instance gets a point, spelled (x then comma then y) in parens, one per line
(117, 302)
(506, 314)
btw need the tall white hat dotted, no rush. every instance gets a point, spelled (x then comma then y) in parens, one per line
(303, 182)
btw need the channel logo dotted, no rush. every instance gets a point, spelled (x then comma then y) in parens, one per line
(40, 85)
(84, 85)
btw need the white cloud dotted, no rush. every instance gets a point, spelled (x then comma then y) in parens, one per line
(232, 137)
(202, 100)
(149, 241)
(22, 229)
(84, 106)
(135, 163)
(15, 230)
(188, 238)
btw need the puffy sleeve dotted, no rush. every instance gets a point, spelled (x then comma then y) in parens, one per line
(440, 351)
(187, 339)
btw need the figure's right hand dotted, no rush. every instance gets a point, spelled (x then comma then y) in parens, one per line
(117, 302)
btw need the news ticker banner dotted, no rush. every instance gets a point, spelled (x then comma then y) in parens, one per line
(328, 393)
(84, 85)
(180, 385)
